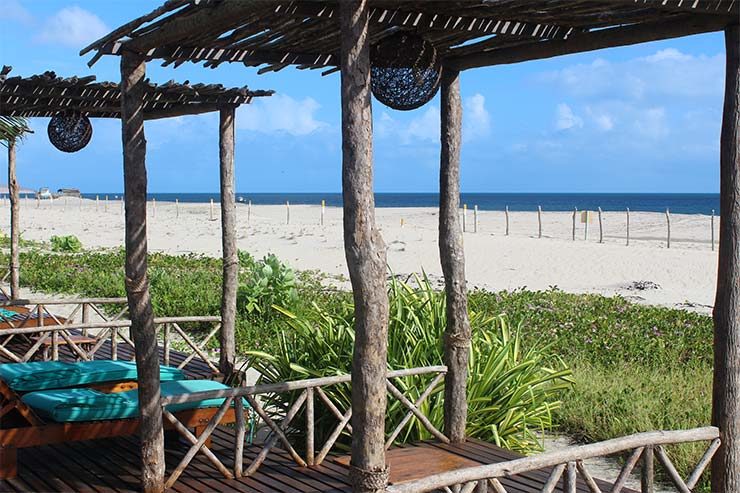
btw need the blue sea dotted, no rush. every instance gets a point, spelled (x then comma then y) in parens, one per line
(680, 203)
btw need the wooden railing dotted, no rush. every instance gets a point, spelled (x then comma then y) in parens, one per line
(32, 313)
(113, 331)
(568, 464)
(308, 392)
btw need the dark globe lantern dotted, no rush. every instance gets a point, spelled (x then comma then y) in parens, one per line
(405, 71)
(69, 132)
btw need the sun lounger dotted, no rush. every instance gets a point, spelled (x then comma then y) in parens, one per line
(84, 414)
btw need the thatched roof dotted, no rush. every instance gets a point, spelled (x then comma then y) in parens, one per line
(48, 95)
(466, 33)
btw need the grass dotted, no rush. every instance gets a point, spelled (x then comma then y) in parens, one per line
(636, 368)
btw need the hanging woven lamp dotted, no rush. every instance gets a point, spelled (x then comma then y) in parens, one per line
(69, 132)
(405, 71)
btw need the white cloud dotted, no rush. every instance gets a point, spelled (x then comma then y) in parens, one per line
(12, 10)
(425, 127)
(666, 73)
(603, 120)
(281, 113)
(566, 119)
(652, 123)
(72, 26)
(476, 119)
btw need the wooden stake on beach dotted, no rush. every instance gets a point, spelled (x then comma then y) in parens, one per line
(585, 226)
(465, 218)
(154, 207)
(211, 211)
(475, 219)
(97, 202)
(668, 224)
(628, 226)
(177, 207)
(287, 212)
(712, 229)
(506, 212)
(323, 206)
(601, 228)
(539, 221)
(575, 213)
(106, 204)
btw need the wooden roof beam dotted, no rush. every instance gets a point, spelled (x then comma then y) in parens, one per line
(594, 40)
(716, 7)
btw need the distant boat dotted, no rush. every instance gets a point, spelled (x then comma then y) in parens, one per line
(68, 192)
(44, 194)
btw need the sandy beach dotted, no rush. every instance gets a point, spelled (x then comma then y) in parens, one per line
(683, 275)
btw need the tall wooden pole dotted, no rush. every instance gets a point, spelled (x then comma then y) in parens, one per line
(452, 256)
(133, 70)
(726, 389)
(15, 232)
(366, 256)
(228, 239)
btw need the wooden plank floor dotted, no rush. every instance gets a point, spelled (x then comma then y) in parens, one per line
(111, 465)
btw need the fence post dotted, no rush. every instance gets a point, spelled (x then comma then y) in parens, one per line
(506, 211)
(287, 212)
(323, 206)
(154, 207)
(647, 478)
(310, 448)
(585, 228)
(249, 211)
(601, 228)
(211, 210)
(475, 219)
(628, 226)
(712, 229)
(97, 202)
(465, 217)
(177, 207)
(106, 203)
(575, 214)
(539, 221)
(668, 224)
(85, 316)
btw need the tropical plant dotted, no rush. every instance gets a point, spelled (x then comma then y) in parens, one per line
(69, 244)
(512, 391)
(12, 128)
(266, 283)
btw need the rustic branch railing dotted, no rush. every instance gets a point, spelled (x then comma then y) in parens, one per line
(36, 313)
(568, 464)
(309, 390)
(112, 331)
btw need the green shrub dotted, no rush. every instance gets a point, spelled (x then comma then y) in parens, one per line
(67, 244)
(512, 391)
(266, 283)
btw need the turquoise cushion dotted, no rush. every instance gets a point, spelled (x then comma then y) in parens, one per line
(43, 375)
(90, 405)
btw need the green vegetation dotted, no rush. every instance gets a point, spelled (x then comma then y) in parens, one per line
(68, 244)
(513, 390)
(635, 367)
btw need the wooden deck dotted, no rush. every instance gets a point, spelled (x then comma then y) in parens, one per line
(111, 465)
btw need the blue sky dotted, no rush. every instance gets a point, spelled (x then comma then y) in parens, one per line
(636, 119)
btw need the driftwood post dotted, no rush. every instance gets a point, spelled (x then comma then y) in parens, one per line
(228, 241)
(539, 221)
(628, 226)
(506, 212)
(366, 257)
(575, 214)
(668, 225)
(133, 71)
(601, 227)
(457, 332)
(15, 232)
(726, 389)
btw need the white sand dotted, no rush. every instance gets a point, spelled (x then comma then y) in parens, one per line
(685, 273)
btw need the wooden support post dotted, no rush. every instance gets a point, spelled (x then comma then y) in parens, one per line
(210, 213)
(310, 446)
(601, 227)
(15, 232)
(475, 219)
(668, 225)
(575, 215)
(366, 255)
(647, 475)
(726, 388)
(97, 202)
(506, 212)
(85, 316)
(465, 218)
(287, 212)
(628, 226)
(569, 478)
(177, 207)
(227, 355)
(323, 207)
(585, 226)
(539, 221)
(712, 229)
(452, 256)
(151, 436)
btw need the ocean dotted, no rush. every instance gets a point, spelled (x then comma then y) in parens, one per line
(680, 203)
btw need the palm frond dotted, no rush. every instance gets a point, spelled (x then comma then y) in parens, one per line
(12, 128)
